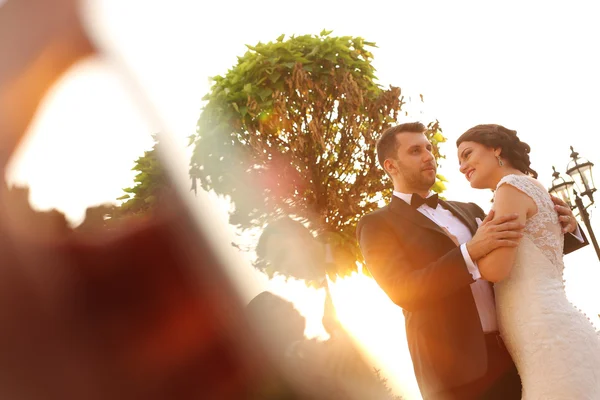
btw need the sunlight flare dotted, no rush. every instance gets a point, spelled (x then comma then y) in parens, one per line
(377, 325)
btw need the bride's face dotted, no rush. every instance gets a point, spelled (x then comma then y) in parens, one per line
(479, 164)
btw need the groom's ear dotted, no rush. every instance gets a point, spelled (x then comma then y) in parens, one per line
(389, 166)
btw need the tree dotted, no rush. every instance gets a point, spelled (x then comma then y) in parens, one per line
(152, 183)
(291, 130)
(151, 187)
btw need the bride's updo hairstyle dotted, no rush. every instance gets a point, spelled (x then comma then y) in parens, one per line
(496, 136)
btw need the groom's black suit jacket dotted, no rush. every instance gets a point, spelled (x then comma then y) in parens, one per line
(423, 271)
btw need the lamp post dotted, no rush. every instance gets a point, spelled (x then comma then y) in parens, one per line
(578, 178)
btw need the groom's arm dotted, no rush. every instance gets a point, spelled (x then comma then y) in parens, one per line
(574, 237)
(406, 284)
(574, 241)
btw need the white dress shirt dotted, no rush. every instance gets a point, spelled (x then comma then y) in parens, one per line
(482, 290)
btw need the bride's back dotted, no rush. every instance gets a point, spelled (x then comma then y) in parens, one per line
(543, 228)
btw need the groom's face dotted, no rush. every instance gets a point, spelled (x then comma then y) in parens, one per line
(414, 168)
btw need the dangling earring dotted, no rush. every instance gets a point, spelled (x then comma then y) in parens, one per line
(500, 162)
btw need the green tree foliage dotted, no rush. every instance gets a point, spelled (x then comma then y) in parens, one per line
(139, 201)
(151, 185)
(291, 130)
(151, 182)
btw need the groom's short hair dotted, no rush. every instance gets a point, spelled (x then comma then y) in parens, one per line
(387, 144)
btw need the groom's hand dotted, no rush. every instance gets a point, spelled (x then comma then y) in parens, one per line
(565, 215)
(503, 231)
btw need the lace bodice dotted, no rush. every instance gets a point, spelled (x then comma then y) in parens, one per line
(543, 228)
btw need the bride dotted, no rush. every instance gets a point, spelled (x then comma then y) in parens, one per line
(555, 347)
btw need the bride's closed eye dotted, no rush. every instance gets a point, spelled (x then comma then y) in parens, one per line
(464, 155)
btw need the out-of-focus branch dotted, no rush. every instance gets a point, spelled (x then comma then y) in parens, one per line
(39, 41)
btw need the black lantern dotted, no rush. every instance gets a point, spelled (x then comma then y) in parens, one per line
(580, 180)
(580, 170)
(562, 187)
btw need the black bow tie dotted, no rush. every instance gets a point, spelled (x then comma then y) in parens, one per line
(417, 201)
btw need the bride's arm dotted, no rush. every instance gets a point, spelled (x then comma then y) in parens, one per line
(497, 265)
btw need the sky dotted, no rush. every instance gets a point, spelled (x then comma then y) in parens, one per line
(530, 66)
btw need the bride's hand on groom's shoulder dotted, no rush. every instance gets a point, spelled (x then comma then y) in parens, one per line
(565, 215)
(493, 233)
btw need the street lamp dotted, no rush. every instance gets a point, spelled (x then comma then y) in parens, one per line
(580, 170)
(562, 186)
(578, 178)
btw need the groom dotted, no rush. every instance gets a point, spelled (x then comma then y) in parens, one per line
(423, 252)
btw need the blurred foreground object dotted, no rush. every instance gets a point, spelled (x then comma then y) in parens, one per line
(142, 311)
(39, 41)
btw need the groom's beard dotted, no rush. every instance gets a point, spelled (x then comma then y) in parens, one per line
(419, 181)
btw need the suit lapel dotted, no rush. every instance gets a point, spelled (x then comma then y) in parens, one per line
(466, 219)
(403, 209)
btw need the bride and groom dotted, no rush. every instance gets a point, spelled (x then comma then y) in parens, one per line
(486, 313)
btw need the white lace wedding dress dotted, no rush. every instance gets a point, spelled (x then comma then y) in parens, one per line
(555, 346)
